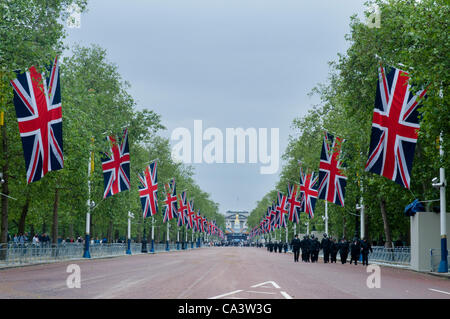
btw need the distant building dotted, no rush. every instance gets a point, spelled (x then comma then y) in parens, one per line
(236, 227)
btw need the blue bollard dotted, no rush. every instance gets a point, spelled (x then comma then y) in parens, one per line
(167, 245)
(129, 247)
(152, 248)
(443, 264)
(87, 254)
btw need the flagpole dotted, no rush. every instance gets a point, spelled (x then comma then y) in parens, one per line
(443, 264)
(178, 238)
(152, 248)
(167, 237)
(129, 234)
(326, 217)
(87, 239)
(192, 238)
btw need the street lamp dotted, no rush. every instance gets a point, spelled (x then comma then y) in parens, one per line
(130, 215)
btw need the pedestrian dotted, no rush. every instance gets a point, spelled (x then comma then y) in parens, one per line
(270, 246)
(275, 246)
(304, 245)
(325, 246)
(343, 250)
(365, 249)
(16, 240)
(333, 250)
(280, 246)
(355, 249)
(285, 247)
(296, 244)
(35, 242)
(315, 249)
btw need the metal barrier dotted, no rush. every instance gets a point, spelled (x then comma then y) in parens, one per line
(435, 259)
(400, 255)
(29, 254)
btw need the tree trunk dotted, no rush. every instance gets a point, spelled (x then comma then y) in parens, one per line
(110, 231)
(344, 227)
(5, 189)
(387, 230)
(23, 215)
(55, 217)
(71, 230)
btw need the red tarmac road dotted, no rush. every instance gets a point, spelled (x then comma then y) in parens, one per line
(216, 272)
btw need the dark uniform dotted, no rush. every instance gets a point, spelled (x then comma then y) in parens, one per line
(355, 249)
(333, 250)
(280, 246)
(275, 246)
(296, 244)
(305, 246)
(343, 250)
(325, 245)
(366, 247)
(315, 250)
(270, 246)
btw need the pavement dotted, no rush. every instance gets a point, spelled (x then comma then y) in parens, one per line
(217, 273)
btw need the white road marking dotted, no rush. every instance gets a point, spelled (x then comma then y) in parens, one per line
(285, 295)
(227, 294)
(267, 282)
(442, 292)
(261, 292)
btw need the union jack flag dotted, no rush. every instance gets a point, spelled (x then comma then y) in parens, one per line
(197, 221)
(281, 210)
(37, 101)
(274, 217)
(182, 209)
(294, 204)
(116, 167)
(148, 190)
(332, 181)
(308, 191)
(190, 216)
(395, 127)
(170, 209)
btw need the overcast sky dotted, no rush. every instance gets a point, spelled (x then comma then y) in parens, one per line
(230, 63)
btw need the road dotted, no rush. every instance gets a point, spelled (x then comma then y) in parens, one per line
(215, 273)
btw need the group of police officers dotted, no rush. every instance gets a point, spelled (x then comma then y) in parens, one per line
(310, 248)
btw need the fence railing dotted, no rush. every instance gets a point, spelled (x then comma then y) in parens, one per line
(399, 255)
(435, 259)
(30, 254)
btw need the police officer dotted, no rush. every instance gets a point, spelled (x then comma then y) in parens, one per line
(333, 250)
(296, 244)
(316, 249)
(275, 246)
(270, 246)
(355, 249)
(280, 246)
(343, 250)
(325, 245)
(305, 248)
(366, 247)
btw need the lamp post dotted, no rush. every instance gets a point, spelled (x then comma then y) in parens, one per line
(167, 237)
(90, 204)
(130, 215)
(152, 248)
(144, 240)
(443, 264)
